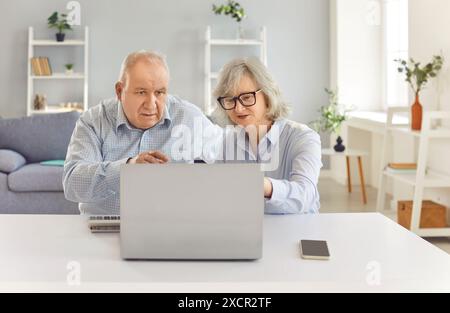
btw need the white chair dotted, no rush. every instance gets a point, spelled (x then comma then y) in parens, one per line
(348, 153)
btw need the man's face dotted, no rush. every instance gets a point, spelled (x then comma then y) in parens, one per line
(143, 94)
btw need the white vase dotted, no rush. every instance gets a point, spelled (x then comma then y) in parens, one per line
(69, 72)
(240, 32)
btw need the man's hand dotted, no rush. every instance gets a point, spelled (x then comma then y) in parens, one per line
(268, 188)
(150, 157)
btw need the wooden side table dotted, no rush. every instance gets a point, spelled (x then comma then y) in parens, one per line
(348, 153)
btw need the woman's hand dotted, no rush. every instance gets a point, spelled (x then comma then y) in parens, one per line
(268, 188)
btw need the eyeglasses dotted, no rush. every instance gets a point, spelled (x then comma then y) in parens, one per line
(247, 99)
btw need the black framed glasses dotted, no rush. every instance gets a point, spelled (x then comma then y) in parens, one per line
(247, 99)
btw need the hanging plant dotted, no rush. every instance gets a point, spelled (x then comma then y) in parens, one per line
(233, 9)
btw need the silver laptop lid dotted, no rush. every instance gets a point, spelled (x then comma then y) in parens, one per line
(182, 211)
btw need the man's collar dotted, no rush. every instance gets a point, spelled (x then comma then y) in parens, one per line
(166, 119)
(121, 118)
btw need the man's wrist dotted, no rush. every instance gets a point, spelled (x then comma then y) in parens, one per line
(268, 188)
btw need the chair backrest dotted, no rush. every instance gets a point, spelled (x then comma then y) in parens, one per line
(40, 137)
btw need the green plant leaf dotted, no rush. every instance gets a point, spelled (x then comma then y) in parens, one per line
(331, 116)
(59, 22)
(418, 76)
(232, 9)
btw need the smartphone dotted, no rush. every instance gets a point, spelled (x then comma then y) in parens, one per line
(314, 250)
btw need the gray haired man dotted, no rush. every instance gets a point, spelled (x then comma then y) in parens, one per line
(137, 127)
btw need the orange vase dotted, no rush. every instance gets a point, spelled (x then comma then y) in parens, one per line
(416, 114)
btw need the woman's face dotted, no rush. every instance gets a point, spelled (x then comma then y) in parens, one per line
(249, 115)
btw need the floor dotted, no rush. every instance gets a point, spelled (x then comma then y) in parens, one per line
(336, 199)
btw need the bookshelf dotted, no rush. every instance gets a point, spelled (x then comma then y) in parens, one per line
(424, 178)
(260, 43)
(34, 43)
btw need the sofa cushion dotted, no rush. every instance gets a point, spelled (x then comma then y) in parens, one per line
(10, 161)
(36, 178)
(40, 137)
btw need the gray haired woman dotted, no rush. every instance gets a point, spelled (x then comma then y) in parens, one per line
(250, 99)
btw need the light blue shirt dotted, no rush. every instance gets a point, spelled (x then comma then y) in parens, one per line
(292, 153)
(103, 140)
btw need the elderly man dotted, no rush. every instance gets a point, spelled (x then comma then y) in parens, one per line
(137, 127)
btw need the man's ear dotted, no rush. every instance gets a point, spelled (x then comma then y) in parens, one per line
(119, 90)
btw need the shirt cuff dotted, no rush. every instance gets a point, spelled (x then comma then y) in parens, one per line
(279, 192)
(113, 175)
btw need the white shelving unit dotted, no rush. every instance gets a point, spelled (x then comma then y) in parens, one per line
(32, 44)
(210, 42)
(423, 178)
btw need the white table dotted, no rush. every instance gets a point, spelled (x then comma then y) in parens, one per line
(369, 253)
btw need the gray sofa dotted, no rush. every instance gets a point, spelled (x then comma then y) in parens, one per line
(26, 186)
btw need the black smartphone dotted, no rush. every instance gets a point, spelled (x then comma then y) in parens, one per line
(314, 250)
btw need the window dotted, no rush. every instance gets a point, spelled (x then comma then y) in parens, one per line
(395, 37)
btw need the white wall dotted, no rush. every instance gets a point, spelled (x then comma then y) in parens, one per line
(429, 27)
(357, 56)
(297, 31)
(356, 67)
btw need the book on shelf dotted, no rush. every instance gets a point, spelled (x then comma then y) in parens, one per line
(49, 67)
(35, 67)
(45, 65)
(41, 66)
(403, 166)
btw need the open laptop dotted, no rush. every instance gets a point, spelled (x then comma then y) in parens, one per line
(191, 211)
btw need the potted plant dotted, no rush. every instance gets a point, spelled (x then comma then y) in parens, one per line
(418, 77)
(235, 10)
(60, 23)
(331, 118)
(69, 68)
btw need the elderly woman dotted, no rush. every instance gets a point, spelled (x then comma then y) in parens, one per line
(250, 99)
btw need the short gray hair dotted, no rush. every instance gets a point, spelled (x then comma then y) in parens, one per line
(231, 75)
(147, 55)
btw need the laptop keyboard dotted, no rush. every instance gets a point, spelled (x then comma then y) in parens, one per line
(104, 217)
(104, 223)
